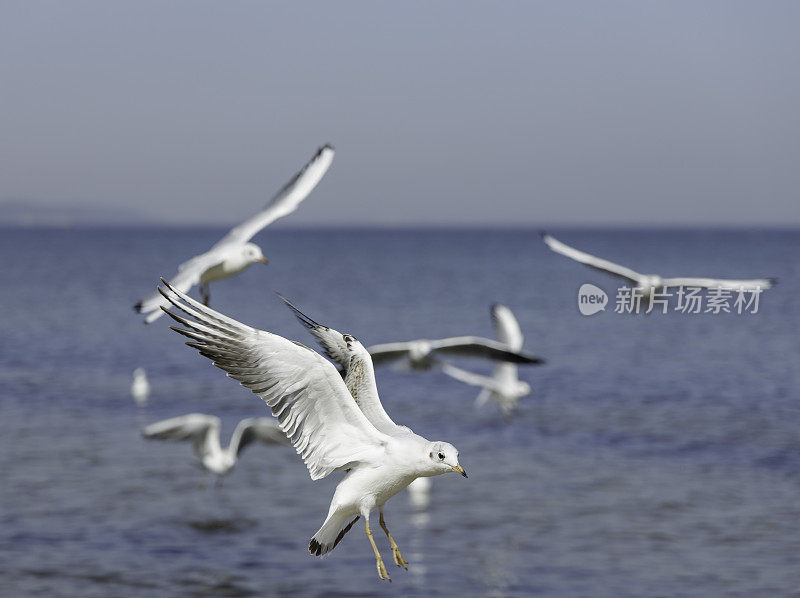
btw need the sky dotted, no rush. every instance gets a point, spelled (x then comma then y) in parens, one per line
(442, 113)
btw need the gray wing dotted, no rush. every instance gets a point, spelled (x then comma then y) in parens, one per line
(387, 352)
(302, 389)
(722, 283)
(476, 346)
(285, 201)
(591, 261)
(197, 427)
(256, 429)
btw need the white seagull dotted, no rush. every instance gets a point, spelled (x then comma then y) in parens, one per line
(422, 354)
(203, 431)
(234, 253)
(329, 429)
(503, 387)
(648, 284)
(140, 387)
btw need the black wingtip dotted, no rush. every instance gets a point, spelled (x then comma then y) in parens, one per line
(543, 234)
(773, 280)
(138, 307)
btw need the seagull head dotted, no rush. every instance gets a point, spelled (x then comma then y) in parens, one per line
(443, 458)
(252, 253)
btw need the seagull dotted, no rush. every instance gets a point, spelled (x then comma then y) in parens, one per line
(503, 387)
(330, 428)
(234, 253)
(648, 284)
(421, 354)
(203, 431)
(140, 388)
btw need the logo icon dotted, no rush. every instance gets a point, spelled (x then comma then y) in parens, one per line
(591, 299)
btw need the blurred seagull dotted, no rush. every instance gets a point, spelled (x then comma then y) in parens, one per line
(648, 284)
(328, 428)
(234, 253)
(203, 431)
(503, 387)
(421, 354)
(140, 388)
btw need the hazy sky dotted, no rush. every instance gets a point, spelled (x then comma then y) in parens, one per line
(440, 112)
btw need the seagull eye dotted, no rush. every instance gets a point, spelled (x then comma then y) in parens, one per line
(441, 456)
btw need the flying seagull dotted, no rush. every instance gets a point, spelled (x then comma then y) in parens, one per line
(203, 431)
(503, 387)
(140, 387)
(234, 253)
(422, 354)
(329, 429)
(648, 284)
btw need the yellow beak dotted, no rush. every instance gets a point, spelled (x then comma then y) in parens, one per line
(263, 260)
(459, 469)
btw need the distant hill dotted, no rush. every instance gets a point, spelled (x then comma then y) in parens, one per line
(34, 213)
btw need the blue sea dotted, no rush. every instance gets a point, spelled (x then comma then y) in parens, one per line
(657, 455)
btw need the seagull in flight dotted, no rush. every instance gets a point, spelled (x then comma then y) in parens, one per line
(503, 387)
(234, 253)
(331, 428)
(648, 284)
(203, 431)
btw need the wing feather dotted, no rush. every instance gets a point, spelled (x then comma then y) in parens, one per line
(302, 389)
(285, 201)
(590, 260)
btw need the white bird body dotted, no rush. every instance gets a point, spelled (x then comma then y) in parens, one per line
(204, 430)
(647, 285)
(234, 253)
(140, 388)
(504, 386)
(333, 426)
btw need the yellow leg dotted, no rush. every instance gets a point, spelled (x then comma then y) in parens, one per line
(398, 558)
(382, 572)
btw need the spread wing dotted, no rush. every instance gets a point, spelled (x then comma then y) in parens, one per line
(199, 428)
(591, 261)
(476, 346)
(285, 201)
(713, 283)
(506, 327)
(468, 377)
(302, 389)
(386, 352)
(356, 364)
(189, 273)
(256, 429)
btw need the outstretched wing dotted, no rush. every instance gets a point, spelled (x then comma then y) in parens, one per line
(201, 429)
(386, 352)
(303, 390)
(256, 429)
(189, 273)
(714, 283)
(285, 201)
(469, 378)
(506, 327)
(591, 261)
(476, 346)
(356, 363)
